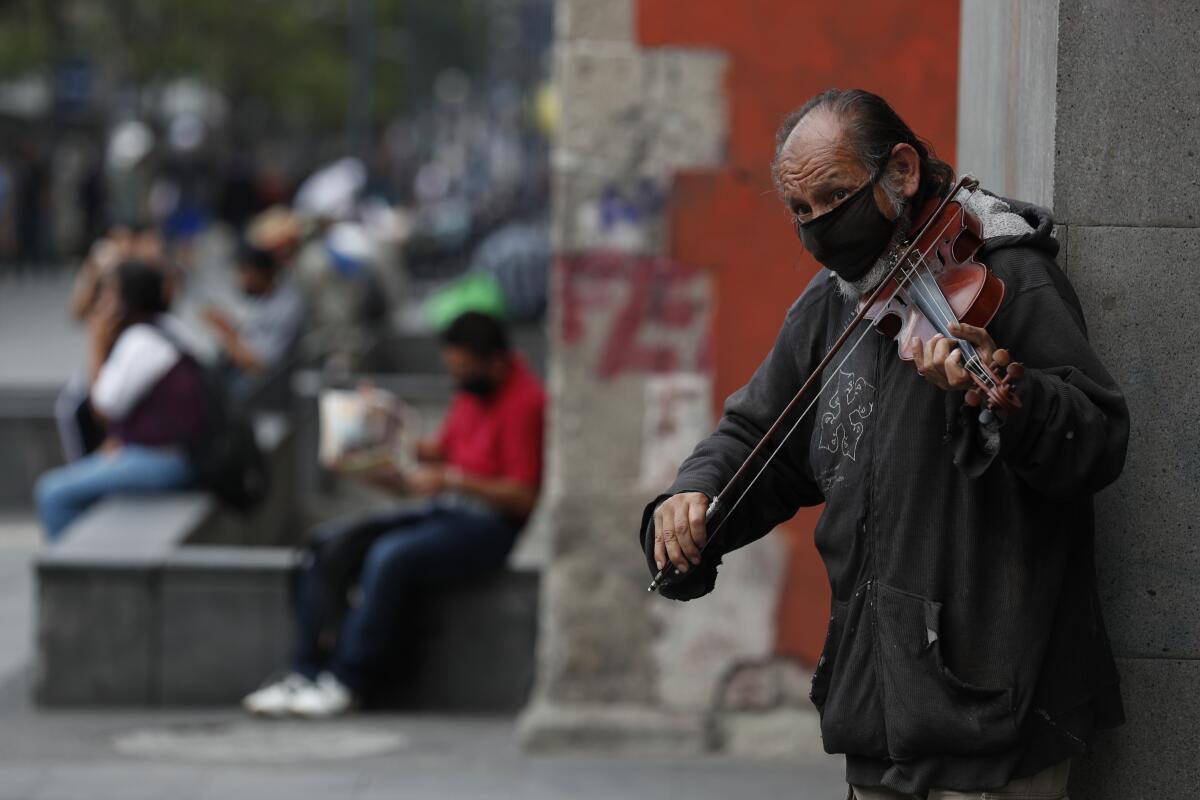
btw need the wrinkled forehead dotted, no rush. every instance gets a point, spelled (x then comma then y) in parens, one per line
(817, 152)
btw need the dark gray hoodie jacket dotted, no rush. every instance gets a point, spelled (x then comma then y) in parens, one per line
(966, 646)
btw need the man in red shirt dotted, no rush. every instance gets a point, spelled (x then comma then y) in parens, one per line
(480, 476)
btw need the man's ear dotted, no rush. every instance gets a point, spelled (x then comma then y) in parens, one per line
(905, 165)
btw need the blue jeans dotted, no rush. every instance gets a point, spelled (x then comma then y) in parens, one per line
(63, 494)
(413, 550)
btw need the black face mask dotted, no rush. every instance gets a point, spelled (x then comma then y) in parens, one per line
(482, 386)
(850, 238)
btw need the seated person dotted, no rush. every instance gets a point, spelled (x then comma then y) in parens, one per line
(79, 432)
(145, 392)
(481, 475)
(265, 335)
(121, 243)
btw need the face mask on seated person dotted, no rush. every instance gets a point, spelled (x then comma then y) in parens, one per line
(482, 386)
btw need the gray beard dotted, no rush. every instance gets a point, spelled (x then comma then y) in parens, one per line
(857, 289)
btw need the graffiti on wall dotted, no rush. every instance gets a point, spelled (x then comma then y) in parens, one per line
(635, 314)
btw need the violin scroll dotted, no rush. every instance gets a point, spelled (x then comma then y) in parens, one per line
(995, 387)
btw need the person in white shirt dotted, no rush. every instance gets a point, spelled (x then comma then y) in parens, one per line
(146, 391)
(79, 432)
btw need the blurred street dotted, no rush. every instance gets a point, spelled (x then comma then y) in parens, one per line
(184, 754)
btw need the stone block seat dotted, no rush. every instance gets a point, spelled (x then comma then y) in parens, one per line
(143, 593)
(129, 614)
(475, 648)
(172, 600)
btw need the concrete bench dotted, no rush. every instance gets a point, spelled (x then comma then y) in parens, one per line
(29, 437)
(119, 592)
(150, 619)
(129, 615)
(171, 600)
(474, 648)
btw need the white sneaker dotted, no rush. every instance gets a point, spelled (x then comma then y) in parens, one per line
(324, 697)
(274, 700)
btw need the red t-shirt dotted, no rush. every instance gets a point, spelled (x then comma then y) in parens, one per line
(500, 437)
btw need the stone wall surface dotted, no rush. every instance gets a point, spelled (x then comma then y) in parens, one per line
(629, 361)
(1007, 100)
(1127, 150)
(1148, 555)
(1122, 138)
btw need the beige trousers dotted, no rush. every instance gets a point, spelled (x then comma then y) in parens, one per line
(1049, 784)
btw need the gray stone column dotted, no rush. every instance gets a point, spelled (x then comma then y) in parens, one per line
(1093, 108)
(630, 395)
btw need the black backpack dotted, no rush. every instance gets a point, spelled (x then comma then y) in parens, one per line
(226, 460)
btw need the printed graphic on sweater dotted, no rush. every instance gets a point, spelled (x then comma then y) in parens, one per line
(850, 405)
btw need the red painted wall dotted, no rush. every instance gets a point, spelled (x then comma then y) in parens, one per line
(781, 52)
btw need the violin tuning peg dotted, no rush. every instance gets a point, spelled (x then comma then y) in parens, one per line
(1001, 358)
(1014, 372)
(974, 399)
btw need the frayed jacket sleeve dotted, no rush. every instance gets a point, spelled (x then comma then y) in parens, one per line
(787, 483)
(1070, 435)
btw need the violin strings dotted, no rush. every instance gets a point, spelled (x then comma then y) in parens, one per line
(941, 306)
(932, 295)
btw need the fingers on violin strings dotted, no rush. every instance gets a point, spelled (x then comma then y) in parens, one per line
(928, 358)
(976, 336)
(942, 350)
(683, 532)
(954, 370)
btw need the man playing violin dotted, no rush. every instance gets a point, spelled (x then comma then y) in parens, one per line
(966, 651)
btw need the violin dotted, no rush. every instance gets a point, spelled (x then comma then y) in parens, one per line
(941, 283)
(936, 282)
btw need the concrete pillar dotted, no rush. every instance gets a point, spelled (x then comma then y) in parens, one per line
(631, 392)
(1092, 107)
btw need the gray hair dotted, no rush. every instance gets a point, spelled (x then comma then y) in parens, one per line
(873, 128)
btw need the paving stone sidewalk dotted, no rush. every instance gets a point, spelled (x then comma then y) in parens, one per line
(222, 755)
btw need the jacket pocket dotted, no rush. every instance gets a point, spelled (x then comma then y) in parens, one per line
(928, 709)
(845, 686)
(826, 664)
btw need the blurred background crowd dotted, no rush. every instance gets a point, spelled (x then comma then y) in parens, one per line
(377, 151)
(246, 208)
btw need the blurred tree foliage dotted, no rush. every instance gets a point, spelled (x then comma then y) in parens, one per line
(283, 58)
